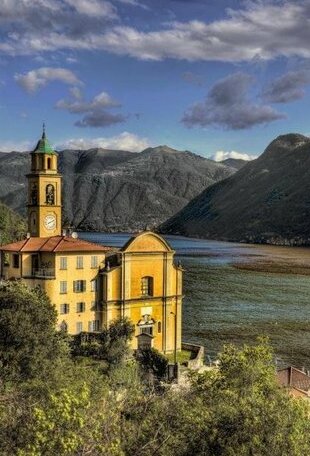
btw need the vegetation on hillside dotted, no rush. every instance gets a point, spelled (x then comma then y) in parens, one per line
(106, 405)
(12, 225)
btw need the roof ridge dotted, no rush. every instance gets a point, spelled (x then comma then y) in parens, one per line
(61, 239)
(44, 243)
(24, 244)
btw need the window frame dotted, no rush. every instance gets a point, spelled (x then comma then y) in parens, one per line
(63, 283)
(79, 286)
(80, 307)
(147, 286)
(80, 262)
(94, 262)
(65, 307)
(63, 267)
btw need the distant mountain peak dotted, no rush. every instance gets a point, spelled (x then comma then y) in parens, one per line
(162, 148)
(266, 201)
(289, 141)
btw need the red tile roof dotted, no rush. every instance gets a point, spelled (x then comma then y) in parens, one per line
(54, 244)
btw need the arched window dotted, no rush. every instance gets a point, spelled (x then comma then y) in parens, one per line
(50, 194)
(49, 163)
(34, 194)
(147, 286)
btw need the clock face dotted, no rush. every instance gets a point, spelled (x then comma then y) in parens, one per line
(50, 222)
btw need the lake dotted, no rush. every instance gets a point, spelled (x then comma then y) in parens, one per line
(235, 293)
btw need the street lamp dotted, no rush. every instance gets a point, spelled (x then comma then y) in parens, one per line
(175, 337)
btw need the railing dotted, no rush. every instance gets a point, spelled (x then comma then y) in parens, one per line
(44, 272)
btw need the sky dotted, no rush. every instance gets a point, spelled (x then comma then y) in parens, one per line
(221, 78)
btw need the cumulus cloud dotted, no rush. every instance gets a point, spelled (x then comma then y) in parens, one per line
(36, 79)
(100, 101)
(259, 30)
(228, 104)
(95, 110)
(124, 141)
(287, 88)
(221, 155)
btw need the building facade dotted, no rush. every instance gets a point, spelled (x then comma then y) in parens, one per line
(90, 284)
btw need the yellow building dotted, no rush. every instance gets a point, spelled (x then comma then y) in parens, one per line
(91, 284)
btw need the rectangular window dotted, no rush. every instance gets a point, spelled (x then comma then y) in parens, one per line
(147, 286)
(63, 263)
(80, 307)
(79, 327)
(15, 260)
(63, 286)
(94, 262)
(64, 308)
(79, 286)
(93, 325)
(93, 285)
(79, 262)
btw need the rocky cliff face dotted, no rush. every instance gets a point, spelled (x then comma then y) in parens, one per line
(108, 190)
(266, 201)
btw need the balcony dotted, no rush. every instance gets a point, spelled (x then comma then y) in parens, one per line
(44, 273)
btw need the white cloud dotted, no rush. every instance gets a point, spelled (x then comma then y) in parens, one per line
(221, 155)
(36, 79)
(100, 101)
(133, 3)
(93, 8)
(260, 30)
(17, 146)
(124, 141)
(96, 114)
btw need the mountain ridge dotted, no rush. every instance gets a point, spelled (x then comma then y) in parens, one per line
(107, 190)
(266, 201)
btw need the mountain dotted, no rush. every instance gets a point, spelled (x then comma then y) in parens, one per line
(266, 201)
(235, 163)
(109, 190)
(12, 225)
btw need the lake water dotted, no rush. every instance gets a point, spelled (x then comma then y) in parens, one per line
(224, 303)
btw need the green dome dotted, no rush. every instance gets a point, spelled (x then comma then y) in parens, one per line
(43, 146)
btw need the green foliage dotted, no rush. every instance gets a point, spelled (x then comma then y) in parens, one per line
(29, 343)
(110, 345)
(12, 226)
(249, 413)
(51, 403)
(237, 409)
(152, 360)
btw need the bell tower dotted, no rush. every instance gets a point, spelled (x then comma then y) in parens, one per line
(44, 191)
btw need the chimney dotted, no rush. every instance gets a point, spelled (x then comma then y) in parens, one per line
(28, 235)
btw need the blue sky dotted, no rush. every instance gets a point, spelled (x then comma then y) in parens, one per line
(208, 76)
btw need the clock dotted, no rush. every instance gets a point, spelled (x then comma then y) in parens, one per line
(50, 222)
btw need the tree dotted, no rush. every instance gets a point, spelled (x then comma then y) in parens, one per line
(12, 226)
(29, 343)
(249, 414)
(152, 360)
(110, 345)
(237, 409)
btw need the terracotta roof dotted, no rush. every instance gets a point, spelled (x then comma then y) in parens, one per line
(54, 244)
